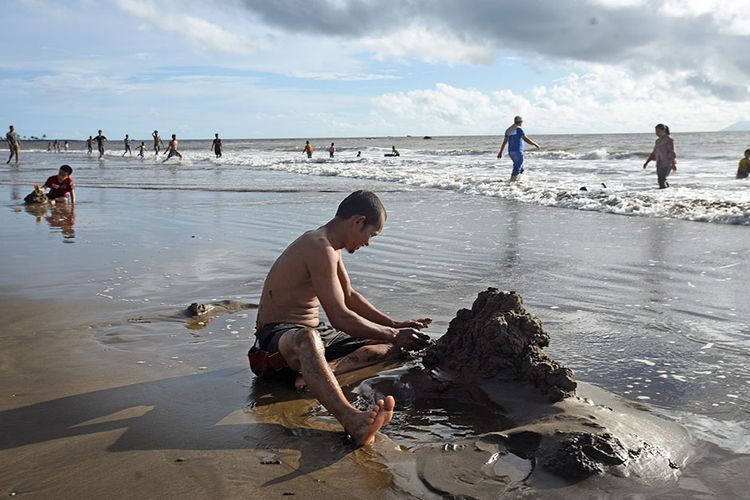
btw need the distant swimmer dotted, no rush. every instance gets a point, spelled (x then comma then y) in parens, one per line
(141, 149)
(158, 143)
(331, 150)
(89, 145)
(359, 154)
(14, 143)
(216, 146)
(100, 143)
(663, 154)
(743, 170)
(61, 185)
(394, 151)
(308, 149)
(515, 137)
(172, 149)
(126, 141)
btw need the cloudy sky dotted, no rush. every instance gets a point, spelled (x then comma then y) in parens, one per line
(334, 68)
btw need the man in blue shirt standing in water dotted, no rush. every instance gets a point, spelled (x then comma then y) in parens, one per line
(514, 138)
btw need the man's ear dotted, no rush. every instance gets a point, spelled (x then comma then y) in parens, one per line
(360, 219)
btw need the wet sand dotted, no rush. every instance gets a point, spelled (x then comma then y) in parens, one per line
(110, 391)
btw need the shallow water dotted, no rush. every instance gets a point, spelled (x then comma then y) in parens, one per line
(703, 188)
(652, 309)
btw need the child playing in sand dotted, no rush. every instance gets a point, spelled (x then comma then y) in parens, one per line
(61, 185)
(743, 170)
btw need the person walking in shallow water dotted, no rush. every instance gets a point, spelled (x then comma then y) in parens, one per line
(514, 138)
(158, 143)
(216, 146)
(14, 143)
(100, 143)
(126, 141)
(664, 155)
(172, 149)
(308, 149)
(89, 145)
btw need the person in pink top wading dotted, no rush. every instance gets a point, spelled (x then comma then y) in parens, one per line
(663, 154)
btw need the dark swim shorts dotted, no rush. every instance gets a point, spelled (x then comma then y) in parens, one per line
(266, 360)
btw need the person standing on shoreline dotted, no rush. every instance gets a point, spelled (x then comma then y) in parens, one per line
(126, 141)
(158, 143)
(172, 149)
(291, 342)
(216, 146)
(331, 150)
(515, 137)
(100, 143)
(14, 143)
(663, 154)
(308, 149)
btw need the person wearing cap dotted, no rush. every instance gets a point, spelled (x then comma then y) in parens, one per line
(514, 138)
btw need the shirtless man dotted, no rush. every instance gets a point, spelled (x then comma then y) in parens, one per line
(292, 342)
(172, 149)
(89, 145)
(100, 143)
(216, 146)
(14, 143)
(126, 141)
(157, 142)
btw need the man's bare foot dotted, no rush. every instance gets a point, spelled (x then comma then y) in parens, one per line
(364, 425)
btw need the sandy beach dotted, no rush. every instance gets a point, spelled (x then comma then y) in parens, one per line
(109, 390)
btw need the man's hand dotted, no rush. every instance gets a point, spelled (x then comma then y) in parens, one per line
(411, 339)
(414, 323)
(500, 155)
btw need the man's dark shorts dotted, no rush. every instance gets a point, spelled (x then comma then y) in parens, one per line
(266, 360)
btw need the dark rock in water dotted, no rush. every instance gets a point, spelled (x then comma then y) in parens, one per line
(36, 197)
(583, 188)
(498, 339)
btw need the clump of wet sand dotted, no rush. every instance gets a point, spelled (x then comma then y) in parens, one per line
(498, 339)
(492, 355)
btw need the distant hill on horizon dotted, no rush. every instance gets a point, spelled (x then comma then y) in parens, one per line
(743, 126)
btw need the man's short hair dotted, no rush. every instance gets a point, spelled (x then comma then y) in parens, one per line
(66, 169)
(362, 203)
(517, 119)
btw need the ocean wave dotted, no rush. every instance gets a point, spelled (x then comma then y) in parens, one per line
(621, 200)
(595, 154)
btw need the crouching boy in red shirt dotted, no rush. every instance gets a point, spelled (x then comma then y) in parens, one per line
(61, 185)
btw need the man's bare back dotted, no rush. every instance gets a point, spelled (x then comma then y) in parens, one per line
(288, 295)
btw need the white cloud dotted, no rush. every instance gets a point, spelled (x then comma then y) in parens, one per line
(203, 34)
(430, 45)
(599, 100)
(732, 16)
